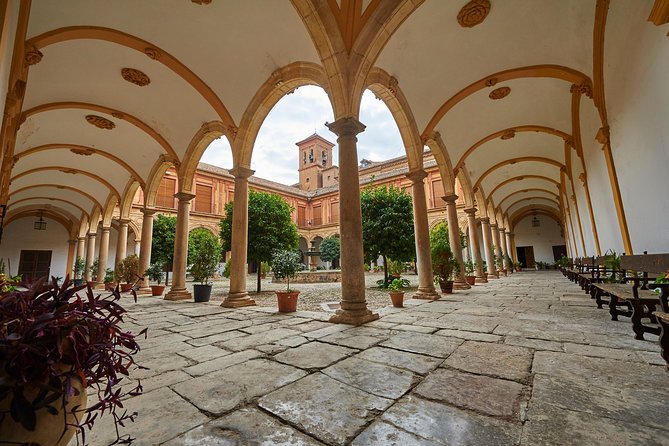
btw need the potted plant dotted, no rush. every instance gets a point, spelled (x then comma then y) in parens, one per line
(499, 263)
(285, 265)
(204, 253)
(469, 271)
(109, 279)
(127, 271)
(509, 262)
(57, 347)
(395, 268)
(443, 260)
(94, 272)
(519, 266)
(155, 273)
(396, 295)
(79, 265)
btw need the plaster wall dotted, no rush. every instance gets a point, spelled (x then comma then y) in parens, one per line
(637, 102)
(20, 235)
(541, 238)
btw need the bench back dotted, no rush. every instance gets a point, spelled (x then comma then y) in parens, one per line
(648, 263)
(601, 260)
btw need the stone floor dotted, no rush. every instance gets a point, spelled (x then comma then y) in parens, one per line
(526, 359)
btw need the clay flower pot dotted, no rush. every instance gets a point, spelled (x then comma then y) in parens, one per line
(446, 286)
(287, 301)
(397, 298)
(157, 290)
(471, 280)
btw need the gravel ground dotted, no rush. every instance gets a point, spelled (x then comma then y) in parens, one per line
(312, 295)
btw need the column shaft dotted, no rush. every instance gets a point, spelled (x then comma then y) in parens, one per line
(145, 246)
(103, 255)
(475, 245)
(81, 247)
(511, 251)
(454, 237)
(422, 233)
(505, 250)
(70, 258)
(487, 245)
(353, 304)
(122, 241)
(178, 290)
(90, 256)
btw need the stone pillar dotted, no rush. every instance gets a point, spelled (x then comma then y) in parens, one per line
(178, 290)
(504, 249)
(487, 245)
(510, 249)
(145, 247)
(238, 296)
(70, 258)
(122, 241)
(512, 246)
(81, 247)
(102, 257)
(475, 245)
(90, 256)
(454, 238)
(495, 241)
(422, 233)
(353, 304)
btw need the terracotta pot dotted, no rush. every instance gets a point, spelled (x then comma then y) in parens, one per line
(397, 298)
(287, 301)
(91, 283)
(505, 272)
(109, 286)
(471, 280)
(446, 286)
(49, 427)
(125, 287)
(157, 290)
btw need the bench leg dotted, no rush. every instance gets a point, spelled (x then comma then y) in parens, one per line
(598, 298)
(637, 314)
(613, 308)
(664, 341)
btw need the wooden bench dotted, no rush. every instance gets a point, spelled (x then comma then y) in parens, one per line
(663, 318)
(602, 273)
(634, 295)
(577, 268)
(586, 273)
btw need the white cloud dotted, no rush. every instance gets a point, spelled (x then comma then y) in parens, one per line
(299, 115)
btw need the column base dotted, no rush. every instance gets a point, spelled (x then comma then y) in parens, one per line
(353, 317)
(493, 276)
(236, 300)
(481, 279)
(144, 290)
(460, 284)
(178, 294)
(427, 294)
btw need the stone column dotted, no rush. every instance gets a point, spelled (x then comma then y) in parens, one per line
(504, 249)
(353, 304)
(81, 247)
(495, 240)
(145, 247)
(510, 250)
(238, 296)
(475, 245)
(90, 256)
(487, 245)
(454, 238)
(102, 257)
(122, 241)
(178, 290)
(422, 233)
(512, 246)
(71, 248)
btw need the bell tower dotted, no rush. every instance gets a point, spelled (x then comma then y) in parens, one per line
(315, 157)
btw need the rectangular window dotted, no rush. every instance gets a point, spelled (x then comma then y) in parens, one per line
(438, 193)
(203, 197)
(166, 191)
(318, 216)
(301, 216)
(34, 265)
(334, 213)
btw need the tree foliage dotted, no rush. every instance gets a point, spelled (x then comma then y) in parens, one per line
(162, 242)
(204, 254)
(387, 224)
(443, 260)
(270, 227)
(330, 248)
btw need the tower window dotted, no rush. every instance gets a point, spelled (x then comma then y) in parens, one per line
(311, 155)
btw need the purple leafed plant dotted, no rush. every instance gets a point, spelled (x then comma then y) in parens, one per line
(50, 336)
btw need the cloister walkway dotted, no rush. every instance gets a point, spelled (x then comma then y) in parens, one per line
(526, 359)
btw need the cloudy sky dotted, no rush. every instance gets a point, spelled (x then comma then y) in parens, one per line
(296, 117)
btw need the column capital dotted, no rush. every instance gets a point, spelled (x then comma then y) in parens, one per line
(501, 228)
(123, 221)
(485, 219)
(417, 176)
(346, 127)
(493, 225)
(106, 228)
(92, 234)
(72, 242)
(184, 196)
(450, 198)
(470, 211)
(81, 238)
(241, 172)
(148, 211)
(509, 233)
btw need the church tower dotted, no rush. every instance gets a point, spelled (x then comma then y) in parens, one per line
(315, 161)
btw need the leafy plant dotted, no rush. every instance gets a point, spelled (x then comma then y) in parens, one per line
(330, 248)
(128, 269)
(443, 261)
(612, 266)
(79, 265)
(155, 272)
(226, 270)
(162, 242)
(469, 267)
(109, 275)
(395, 267)
(508, 260)
(50, 339)
(396, 285)
(285, 265)
(499, 260)
(94, 269)
(204, 253)
(9, 283)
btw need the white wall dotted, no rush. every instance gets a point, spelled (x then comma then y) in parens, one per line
(542, 238)
(20, 235)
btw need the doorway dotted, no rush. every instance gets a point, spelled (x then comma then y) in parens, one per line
(559, 251)
(525, 256)
(34, 265)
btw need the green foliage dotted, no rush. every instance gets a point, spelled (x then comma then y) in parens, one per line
(155, 272)
(443, 260)
(94, 269)
(330, 248)
(270, 227)
(204, 253)
(109, 275)
(469, 267)
(563, 262)
(499, 260)
(226, 270)
(128, 269)
(612, 265)
(387, 224)
(396, 285)
(285, 265)
(395, 267)
(79, 265)
(162, 242)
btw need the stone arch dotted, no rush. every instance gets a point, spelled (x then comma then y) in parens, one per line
(156, 175)
(14, 203)
(467, 189)
(198, 144)
(438, 149)
(95, 177)
(531, 189)
(60, 186)
(108, 210)
(125, 205)
(521, 159)
(69, 225)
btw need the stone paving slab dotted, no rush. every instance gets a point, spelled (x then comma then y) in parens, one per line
(413, 362)
(385, 434)
(314, 355)
(325, 408)
(423, 344)
(497, 360)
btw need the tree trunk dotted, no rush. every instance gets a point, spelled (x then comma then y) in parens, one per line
(385, 269)
(259, 272)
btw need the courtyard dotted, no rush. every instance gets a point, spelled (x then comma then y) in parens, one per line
(526, 359)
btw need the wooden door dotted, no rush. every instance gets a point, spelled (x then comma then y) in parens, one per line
(34, 265)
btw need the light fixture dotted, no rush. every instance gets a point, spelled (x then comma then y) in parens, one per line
(535, 222)
(40, 225)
